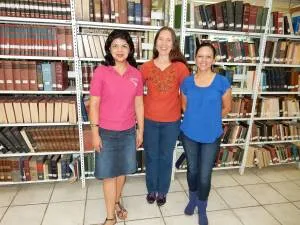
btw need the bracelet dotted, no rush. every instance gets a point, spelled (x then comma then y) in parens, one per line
(94, 125)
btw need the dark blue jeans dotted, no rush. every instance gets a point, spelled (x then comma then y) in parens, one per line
(159, 142)
(200, 162)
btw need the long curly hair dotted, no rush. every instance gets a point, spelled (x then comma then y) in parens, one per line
(124, 35)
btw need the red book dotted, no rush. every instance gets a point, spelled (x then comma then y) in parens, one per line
(61, 42)
(8, 74)
(246, 15)
(17, 75)
(33, 85)
(25, 76)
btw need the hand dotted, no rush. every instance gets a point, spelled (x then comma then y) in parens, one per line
(97, 143)
(139, 138)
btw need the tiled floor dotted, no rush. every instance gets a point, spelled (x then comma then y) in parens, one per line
(270, 196)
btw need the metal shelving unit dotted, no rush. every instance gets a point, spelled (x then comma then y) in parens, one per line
(184, 31)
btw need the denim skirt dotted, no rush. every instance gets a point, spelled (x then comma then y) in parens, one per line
(118, 153)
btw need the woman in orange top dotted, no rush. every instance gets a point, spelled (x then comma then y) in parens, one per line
(162, 77)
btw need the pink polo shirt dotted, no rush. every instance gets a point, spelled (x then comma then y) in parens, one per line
(117, 96)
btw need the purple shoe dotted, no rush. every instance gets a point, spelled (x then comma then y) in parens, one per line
(151, 197)
(161, 199)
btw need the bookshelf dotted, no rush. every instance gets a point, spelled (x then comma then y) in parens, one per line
(77, 91)
(188, 28)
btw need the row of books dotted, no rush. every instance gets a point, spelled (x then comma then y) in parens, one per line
(279, 79)
(34, 40)
(239, 77)
(226, 50)
(234, 133)
(240, 107)
(93, 45)
(278, 107)
(272, 154)
(285, 23)
(275, 131)
(38, 109)
(46, 9)
(144, 12)
(227, 15)
(282, 52)
(34, 168)
(33, 75)
(39, 139)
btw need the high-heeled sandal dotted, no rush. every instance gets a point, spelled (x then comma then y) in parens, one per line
(121, 212)
(107, 219)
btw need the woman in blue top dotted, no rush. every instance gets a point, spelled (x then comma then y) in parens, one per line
(206, 97)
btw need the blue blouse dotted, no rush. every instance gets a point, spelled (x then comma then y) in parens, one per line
(202, 120)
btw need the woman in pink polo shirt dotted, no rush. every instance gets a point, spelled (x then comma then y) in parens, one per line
(116, 105)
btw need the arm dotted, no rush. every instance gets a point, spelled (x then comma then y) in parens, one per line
(183, 102)
(139, 111)
(94, 118)
(226, 102)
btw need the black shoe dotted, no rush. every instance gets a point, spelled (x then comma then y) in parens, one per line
(161, 200)
(151, 197)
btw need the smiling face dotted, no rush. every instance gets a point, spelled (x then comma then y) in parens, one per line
(164, 43)
(119, 50)
(204, 59)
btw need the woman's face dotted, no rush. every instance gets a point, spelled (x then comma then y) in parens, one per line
(205, 58)
(164, 43)
(119, 50)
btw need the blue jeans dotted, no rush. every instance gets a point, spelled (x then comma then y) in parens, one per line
(200, 162)
(159, 142)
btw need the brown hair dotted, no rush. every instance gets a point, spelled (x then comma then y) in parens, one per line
(175, 54)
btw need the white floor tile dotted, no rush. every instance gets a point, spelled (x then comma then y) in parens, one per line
(247, 178)
(265, 194)
(297, 182)
(236, 197)
(175, 186)
(138, 208)
(68, 192)
(25, 215)
(292, 174)
(289, 190)
(66, 213)
(94, 189)
(224, 180)
(7, 193)
(297, 204)
(155, 221)
(33, 194)
(223, 217)
(255, 215)
(175, 205)
(181, 177)
(135, 186)
(2, 211)
(182, 219)
(285, 213)
(215, 202)
(271, 175)
(95, 211)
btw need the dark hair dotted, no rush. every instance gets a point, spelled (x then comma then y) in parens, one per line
(206, 44)
(175, 53)
(122, 34)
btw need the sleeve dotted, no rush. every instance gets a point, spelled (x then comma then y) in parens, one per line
(184, 72)
(140, 86)
(183, 87)
(225, 85)
(96, 82)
